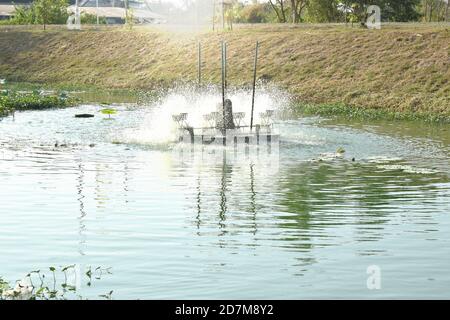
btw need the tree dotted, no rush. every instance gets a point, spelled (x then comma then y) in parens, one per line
(399, 10)
(41, 12)
(50, 11)
(280, 9)
(435, 10)
(297, 7)
(323, 11)
(23, 15)
(391, 10)
(333, 10)
(254, 13)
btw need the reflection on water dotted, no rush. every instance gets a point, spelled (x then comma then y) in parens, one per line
(327, 195)
(181, 222)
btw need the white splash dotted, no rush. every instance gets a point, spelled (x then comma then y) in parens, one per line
(158, 127)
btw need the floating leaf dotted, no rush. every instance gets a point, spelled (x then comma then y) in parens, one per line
(68, 267)
(40, 290)
(108, 111)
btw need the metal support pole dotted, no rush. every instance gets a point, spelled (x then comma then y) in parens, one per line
(254, 84)
(126, 12)
(96, 11)
(223, 86)
(225, 64)
(199, 64)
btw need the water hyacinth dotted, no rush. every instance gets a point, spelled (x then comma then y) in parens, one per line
(38, 286)
(36, 100)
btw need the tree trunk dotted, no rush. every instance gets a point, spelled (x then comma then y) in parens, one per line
(446, 10)
(294, 4)
(297, 7)
(442, 10)
(282, 12)
(294, 16)
(274, 7)
(438, 10)
(431, 12)
(281, 15)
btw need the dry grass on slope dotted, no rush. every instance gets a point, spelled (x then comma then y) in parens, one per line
(399, 68)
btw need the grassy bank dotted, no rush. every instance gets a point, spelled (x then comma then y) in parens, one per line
(15, 101)
(401, 71)
(363, 113)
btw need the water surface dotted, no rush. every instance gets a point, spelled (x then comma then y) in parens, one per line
(296, 221)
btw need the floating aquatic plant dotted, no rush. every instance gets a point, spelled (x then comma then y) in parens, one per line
(18, 101)
(37, 286)
(353, 112)
(109, 112)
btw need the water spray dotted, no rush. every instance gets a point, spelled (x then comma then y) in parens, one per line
(224, 126)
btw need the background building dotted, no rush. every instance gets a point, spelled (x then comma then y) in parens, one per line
(113, 10)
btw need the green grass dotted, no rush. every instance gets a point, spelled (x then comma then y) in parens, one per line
(15, 101)
(351, 112)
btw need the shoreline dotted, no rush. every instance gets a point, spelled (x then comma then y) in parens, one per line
(109, 96)
(364, 114)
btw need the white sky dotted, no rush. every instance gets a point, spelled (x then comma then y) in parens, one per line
(180, 3)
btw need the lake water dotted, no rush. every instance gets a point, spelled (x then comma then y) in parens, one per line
(293, 221)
